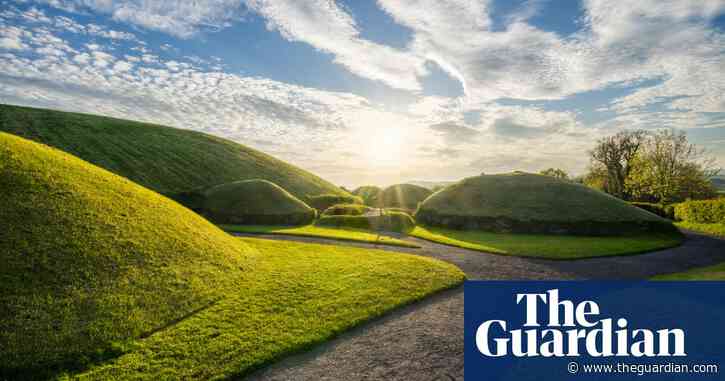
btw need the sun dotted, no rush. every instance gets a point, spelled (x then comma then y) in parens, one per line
(384, 146)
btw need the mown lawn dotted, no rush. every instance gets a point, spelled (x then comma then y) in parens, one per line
(547, 246)
(717, 230)
(355, 235)
(715, 272)
(299, 295)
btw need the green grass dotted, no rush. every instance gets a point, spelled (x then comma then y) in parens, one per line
(91, 260)
(528, 203)
(355, 235)
(547, 246)
(716, 272)
(398, 222)
(406, 196)
(368, 193)
(255, 202)
(717, 230)
(103, 276)
(347, 210)
(300, 295)
(164, 159)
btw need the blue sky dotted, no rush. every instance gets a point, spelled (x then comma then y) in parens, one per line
(381, 91)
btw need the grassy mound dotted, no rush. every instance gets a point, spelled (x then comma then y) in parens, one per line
(168, 160)
(368, 193)
(391, 221)
(528, 203)
(255, 202)
(91, 260)
(300, 295)
(405, 196)
(347, 210)
(323, 201)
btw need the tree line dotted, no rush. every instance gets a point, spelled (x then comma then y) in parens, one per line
(661, 167)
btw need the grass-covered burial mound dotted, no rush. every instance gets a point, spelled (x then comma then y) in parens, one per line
(91, 260)
(171, 161)
(255, 202)
(368, 193)
(405, 196)
(527, 203)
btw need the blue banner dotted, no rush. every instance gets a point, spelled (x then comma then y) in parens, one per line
(586, 330)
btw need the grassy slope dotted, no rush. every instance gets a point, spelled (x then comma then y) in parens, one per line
(301, 294)
(403, 196)
(369, 194)
(716, 272)
(547, 246)
(90, 259)
(717, 230)
(354, 235)
(167, 160)
(255, 197)
(529, 197)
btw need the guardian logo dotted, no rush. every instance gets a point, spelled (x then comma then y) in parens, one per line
(569, 328)
(603, 330)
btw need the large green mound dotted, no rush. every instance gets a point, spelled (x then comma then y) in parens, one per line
(368, 193)
(406, 196)
(168, 160)
(255, 202)
(528, 203)
(91, 260)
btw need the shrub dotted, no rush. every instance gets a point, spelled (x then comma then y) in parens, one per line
(704, 211)
(392, 221)
(324, 201)
(346, 210)
(665, 211)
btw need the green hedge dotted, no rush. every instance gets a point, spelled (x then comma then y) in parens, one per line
(703, 212)
(665, 211)
(324, 201)
(392, 221)
(346, 210)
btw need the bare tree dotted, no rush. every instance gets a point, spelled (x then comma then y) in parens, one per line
(616, 154)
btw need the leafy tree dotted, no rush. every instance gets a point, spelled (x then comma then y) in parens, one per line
(555, 172)
(669, 169)
(615, 154)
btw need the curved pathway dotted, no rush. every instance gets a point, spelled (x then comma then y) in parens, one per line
(424, 341)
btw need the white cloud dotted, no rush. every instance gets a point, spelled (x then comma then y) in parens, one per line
(327, 27)
(180, 18)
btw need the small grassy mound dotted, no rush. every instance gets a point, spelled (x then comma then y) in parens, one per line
(405, 196)
(255, 202)
(168, 160)
(547, 245)
(341, 234)
(347, 210)
(528, 203)
(91, 260)
(390, 221)
(368, 193)
(300, 295)
(323, 201)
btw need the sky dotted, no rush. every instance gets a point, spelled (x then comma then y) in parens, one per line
(380, 92)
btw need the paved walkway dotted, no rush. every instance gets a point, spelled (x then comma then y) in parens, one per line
(424, 341)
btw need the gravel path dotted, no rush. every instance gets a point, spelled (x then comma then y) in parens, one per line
(424, 341)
